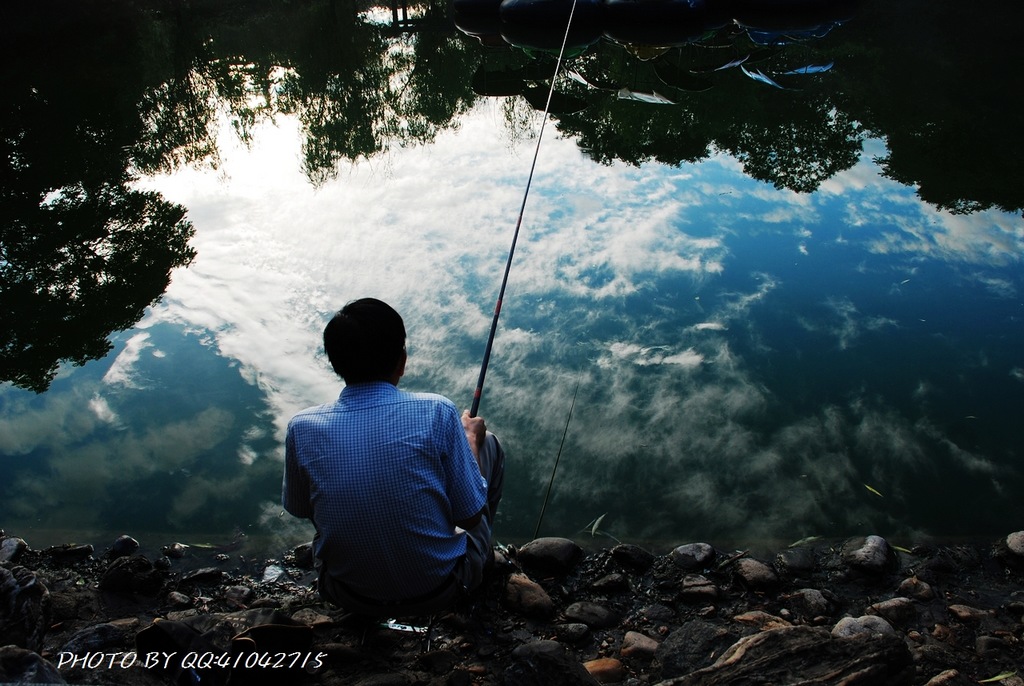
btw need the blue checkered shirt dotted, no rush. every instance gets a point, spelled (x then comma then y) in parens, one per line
(383, 474)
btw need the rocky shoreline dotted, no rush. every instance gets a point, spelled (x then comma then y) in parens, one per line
(820, 612)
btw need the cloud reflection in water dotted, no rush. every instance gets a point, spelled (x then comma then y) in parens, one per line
(734, 342)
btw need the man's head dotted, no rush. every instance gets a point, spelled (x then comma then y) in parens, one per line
(365, 341)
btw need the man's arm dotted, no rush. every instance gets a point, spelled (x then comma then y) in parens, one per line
(294, 485)
(476, 433)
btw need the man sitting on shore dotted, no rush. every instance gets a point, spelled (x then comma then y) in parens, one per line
(401, 491)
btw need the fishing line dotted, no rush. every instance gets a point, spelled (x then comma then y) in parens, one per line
(558, 455)
(519, 222)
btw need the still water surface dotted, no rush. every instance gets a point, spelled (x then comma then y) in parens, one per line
(758, 358)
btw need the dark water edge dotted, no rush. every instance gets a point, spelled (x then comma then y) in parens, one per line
(251, 554)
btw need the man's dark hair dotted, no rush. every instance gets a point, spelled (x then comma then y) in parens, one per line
(365, 341)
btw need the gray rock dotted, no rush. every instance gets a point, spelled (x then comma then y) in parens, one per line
(755, 575)
(239, 595)
(867, 625)
(809, 603)
(571, 632)
(916, 589)
(550, 556)
(20, 666)
(592, 614)
(692, 557)
(273, 573)
(1015, 543)
(635, 644)
(177, 599)
(24, 608)
(633, 557)
(525, 596)
(124, 545)
(1011, 550)
(697, 587)
(11, 549)
(870, 555)
(175, 551)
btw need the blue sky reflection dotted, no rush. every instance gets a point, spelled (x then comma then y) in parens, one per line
(750, 359)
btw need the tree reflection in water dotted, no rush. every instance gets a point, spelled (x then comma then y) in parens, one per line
(97, 93)
(82, 253)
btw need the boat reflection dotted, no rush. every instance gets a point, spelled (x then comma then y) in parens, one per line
(540, 25)
(688, 42)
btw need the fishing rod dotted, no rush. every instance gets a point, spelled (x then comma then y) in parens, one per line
(558, 455)
(519, 222)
